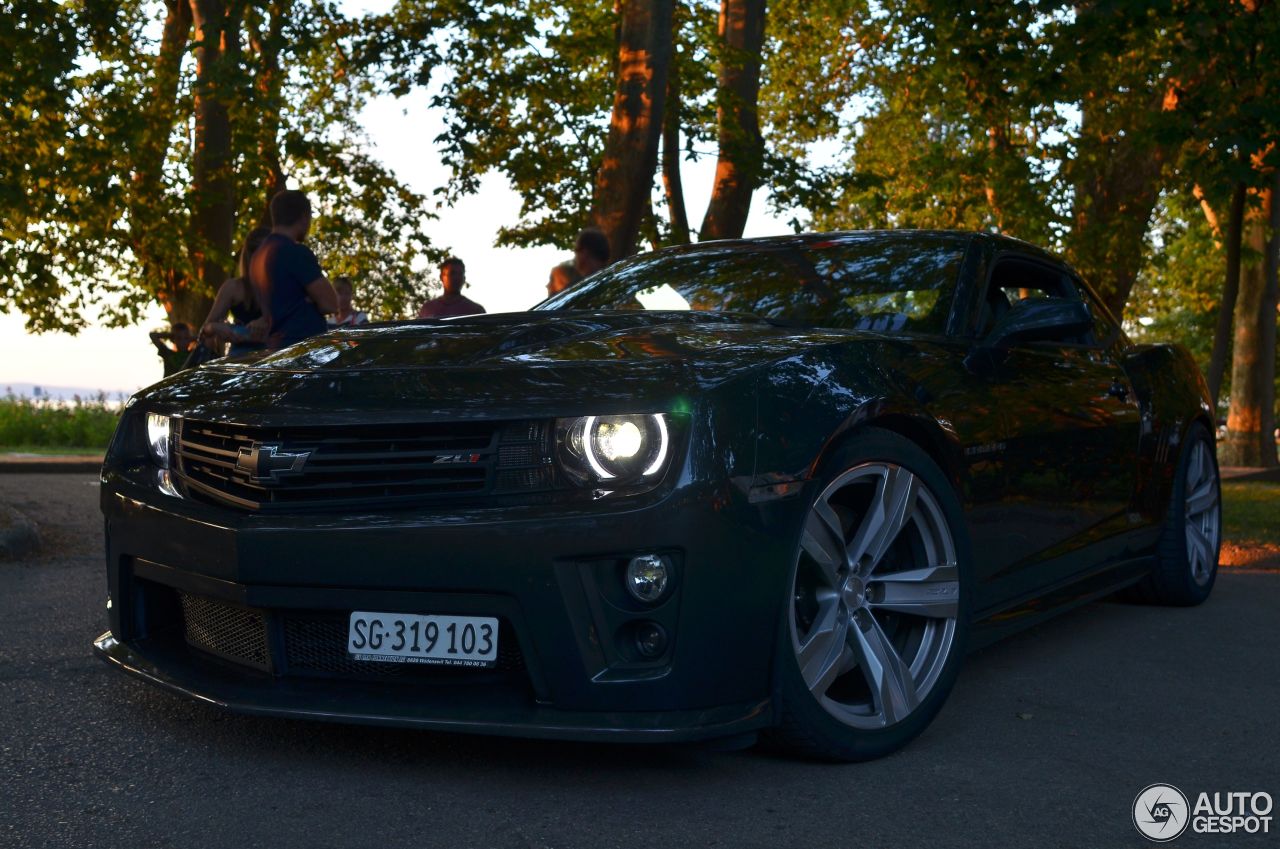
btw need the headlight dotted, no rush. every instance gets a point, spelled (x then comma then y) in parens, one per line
(158, 439)
(616, 449)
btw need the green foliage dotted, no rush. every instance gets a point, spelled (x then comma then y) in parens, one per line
(86, 424)
(1177, 295)
(954, 133)
(526, 91)
(102, 218)
(1044, 119)
(371, 238)
(1249, 511)
(1179, 292)
(1229, 63)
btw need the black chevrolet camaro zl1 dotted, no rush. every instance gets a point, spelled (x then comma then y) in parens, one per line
(777, 485)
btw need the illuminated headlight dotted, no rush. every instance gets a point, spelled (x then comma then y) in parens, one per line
(158, 439)
(615, 449)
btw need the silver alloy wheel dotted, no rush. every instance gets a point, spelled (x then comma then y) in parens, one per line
(1203, 513)
(875, 595)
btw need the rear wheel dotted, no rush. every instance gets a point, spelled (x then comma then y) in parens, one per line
(1187, 554)
(878, 605)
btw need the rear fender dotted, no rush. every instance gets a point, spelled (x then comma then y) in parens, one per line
(1172, 394)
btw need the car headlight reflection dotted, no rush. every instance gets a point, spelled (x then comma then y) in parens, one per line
(617, 449)
(158, 439)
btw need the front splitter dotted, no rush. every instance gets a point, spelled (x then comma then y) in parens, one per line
(312, 699)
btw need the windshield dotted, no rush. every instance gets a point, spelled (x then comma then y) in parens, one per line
(888, 282)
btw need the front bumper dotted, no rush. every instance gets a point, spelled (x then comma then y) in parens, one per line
(545, 573)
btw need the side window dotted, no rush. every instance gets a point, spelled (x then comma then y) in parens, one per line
(1015, 279)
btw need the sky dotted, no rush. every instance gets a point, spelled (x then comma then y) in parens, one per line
(501, 279)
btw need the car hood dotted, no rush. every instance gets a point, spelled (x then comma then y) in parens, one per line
(554, 363)
(536, 338)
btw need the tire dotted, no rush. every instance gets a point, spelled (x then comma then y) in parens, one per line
(1186, 557)
(877, 614)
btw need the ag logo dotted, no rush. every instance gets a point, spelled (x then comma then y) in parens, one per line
(1161, 813)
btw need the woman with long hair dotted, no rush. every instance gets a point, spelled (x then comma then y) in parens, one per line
(247, 329)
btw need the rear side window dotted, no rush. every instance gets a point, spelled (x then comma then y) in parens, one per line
(1015, 279)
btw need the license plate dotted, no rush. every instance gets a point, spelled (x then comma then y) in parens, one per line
(412, 638)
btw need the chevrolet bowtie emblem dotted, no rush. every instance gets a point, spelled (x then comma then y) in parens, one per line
(266, 463)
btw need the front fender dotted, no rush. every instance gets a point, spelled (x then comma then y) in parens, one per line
(811, 402)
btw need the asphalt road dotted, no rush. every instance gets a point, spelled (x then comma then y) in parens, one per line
(1045, 742)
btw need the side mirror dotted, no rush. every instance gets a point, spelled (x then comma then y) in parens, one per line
(1031, 320)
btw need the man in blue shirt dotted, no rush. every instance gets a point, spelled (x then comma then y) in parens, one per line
(293, 291)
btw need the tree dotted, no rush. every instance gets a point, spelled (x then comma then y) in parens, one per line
(1233, 151)
(624, 182)
(162, 130)
(528, 91)
(740, 164)
(952, 128)
(1251, 419)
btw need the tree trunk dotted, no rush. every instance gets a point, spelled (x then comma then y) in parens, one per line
(741, 159)
(146, 216)
(1267, 331)
(217, 54)
(997, 147)
(1117, 182)
(1251, 418)
(671, 181)
(624, 183)
(267, 41)
(1230, 290)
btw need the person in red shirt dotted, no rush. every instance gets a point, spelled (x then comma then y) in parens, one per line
(453, 276)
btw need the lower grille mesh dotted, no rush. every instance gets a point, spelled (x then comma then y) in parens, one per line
(229, 631)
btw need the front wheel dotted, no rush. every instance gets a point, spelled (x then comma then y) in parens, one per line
(877, 612)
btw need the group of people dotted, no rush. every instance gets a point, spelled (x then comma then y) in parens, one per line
(280, 295)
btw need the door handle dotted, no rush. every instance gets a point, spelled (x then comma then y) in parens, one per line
(1118, 390)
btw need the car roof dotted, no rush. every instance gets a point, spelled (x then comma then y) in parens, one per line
(997, 241)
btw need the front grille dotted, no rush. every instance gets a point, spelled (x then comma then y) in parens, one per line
(329, 466)
(316, 644)
(235, 633)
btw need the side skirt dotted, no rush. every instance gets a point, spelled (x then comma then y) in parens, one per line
(993, 625)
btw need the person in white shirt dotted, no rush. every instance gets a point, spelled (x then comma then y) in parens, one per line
(347, 315)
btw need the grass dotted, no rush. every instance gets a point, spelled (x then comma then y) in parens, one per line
(52, 451)
(42, 426)
(1251, 512)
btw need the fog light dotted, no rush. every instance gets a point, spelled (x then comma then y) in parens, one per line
(647, 578)
(651, 640)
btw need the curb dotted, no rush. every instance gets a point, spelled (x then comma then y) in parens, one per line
(1245, 474)
(18, 534)
(19, 464)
